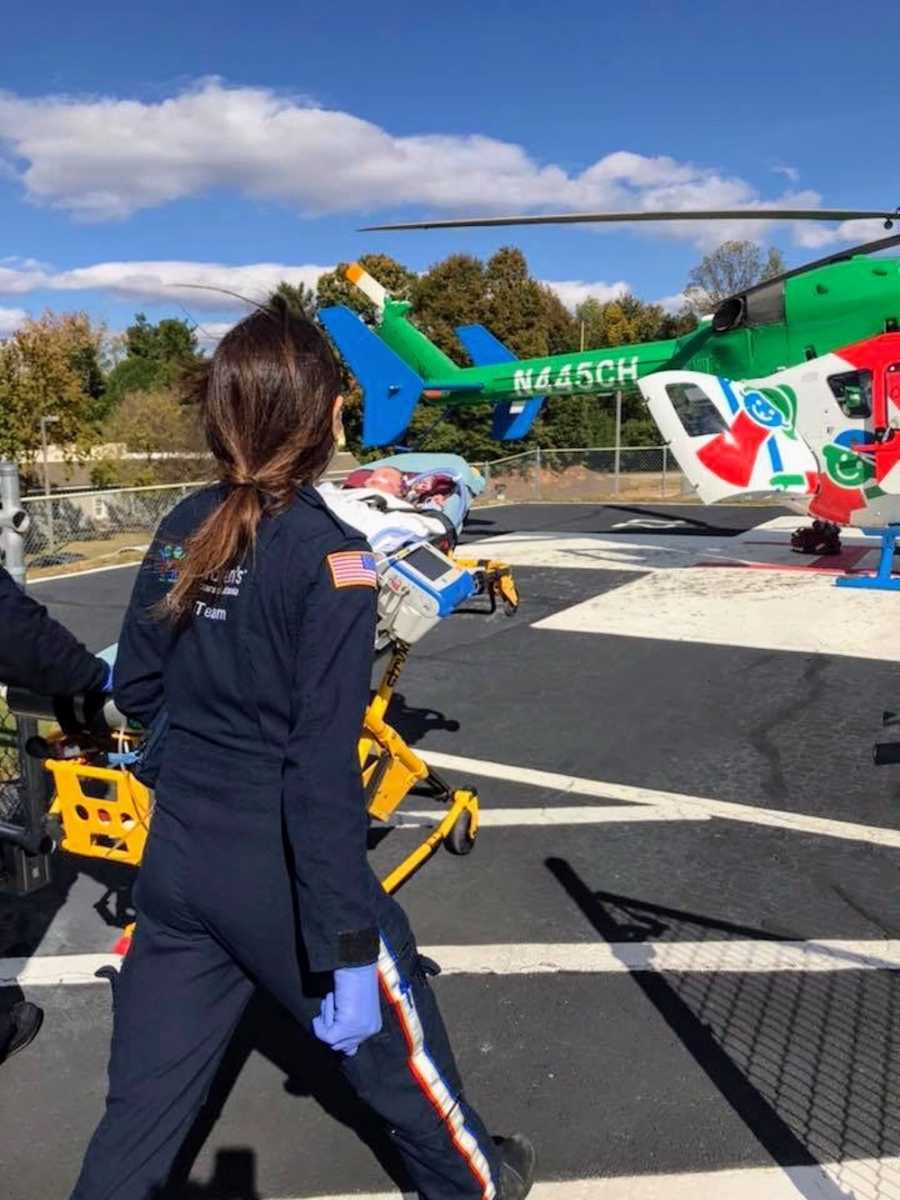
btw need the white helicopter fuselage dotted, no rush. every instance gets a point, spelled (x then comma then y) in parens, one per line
(818, 436)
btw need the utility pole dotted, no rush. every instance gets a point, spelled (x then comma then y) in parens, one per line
(45, 421)
(24, 867)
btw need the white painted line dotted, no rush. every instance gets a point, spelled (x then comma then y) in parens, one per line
(50, 970)
(744, 956)
(747, 1183)
(92, 571)
(738, 956)
(592, 814)
(728, 606)
(635, 551)
(751, 814)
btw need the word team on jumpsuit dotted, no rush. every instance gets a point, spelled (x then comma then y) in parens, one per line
(255, 871)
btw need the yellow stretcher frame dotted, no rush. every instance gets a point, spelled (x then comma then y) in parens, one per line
(105, 812)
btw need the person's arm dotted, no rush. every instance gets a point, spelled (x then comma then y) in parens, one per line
(145, 639)
(324, 800)
(38, 653)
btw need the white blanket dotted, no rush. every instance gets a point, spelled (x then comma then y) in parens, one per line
(385, 521)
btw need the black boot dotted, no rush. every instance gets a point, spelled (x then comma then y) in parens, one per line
(20, 1028)
(517, 1159)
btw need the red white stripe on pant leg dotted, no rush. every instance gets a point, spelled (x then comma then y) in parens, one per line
(427, 1075)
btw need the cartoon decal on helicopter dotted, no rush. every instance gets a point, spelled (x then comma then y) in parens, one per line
(821, 434)
(790, 387)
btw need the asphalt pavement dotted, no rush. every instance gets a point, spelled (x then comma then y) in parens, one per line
(671, 958)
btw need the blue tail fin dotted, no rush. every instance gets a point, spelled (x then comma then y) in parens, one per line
(391, 389)
(513, 419)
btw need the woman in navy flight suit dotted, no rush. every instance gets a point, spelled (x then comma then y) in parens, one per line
(252, 624)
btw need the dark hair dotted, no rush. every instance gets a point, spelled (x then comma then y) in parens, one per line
(266, 399)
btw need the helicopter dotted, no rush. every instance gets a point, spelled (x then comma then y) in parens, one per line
(790, 387)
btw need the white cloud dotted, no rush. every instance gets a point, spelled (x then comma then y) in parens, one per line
(790, 173)
(815, 236)
(102, 158)
(573, 292)
(186, 282)
(10, 320)
(672, 304)
(210, 333)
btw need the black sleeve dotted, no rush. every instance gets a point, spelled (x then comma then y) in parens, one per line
(324, 800)
(37, 652)
(145, 640)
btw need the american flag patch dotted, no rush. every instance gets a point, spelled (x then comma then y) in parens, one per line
(353, 568)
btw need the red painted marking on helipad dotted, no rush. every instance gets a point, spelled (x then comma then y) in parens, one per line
(824, 564)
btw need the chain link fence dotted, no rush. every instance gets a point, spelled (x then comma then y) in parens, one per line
(69, 529)
(9, 763)
(104, 527)
(603, 473)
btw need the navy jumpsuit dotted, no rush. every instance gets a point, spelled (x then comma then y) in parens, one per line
(255, 870)
(37, 652)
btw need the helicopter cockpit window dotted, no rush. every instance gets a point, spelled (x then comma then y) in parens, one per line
(695, 410)
(853, 392)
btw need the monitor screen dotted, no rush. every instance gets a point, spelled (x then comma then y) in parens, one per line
(428, 563)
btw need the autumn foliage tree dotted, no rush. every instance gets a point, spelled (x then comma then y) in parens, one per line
(157, 426)
(50, 368)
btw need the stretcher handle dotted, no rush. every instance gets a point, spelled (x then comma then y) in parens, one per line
(32, 841)
(88, 712)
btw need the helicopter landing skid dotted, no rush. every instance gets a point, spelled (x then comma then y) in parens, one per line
(882, 580)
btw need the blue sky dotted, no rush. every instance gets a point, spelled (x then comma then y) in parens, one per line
(138, 143)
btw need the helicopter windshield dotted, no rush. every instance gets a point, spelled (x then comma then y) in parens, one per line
(694, 409)
(853, 392)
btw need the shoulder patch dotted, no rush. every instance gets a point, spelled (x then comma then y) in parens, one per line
(353, 568)
(165, 560)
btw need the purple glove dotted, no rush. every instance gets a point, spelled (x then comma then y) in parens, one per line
(352, 1012)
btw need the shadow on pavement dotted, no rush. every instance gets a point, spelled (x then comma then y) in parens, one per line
(414, 724)
(809, 1059)
(309, 1070)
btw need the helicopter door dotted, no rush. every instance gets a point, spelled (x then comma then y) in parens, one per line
(730, 439)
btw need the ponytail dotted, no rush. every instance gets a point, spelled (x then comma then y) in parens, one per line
(267, 398)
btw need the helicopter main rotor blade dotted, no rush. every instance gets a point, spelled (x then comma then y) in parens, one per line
(712, 214)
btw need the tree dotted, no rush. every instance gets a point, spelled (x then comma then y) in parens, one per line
(156, 425)
(449, 294)
(149, 423)
(170, 341)
(619, 322)
(502, 295)
(50, 368)
(730, 268)
(157, 356)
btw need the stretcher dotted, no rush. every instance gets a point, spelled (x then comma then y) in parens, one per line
(100, 809)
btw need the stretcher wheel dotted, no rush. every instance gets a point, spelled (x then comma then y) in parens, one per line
(460, 840)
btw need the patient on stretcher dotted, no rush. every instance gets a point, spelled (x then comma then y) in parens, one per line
(406, 499)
